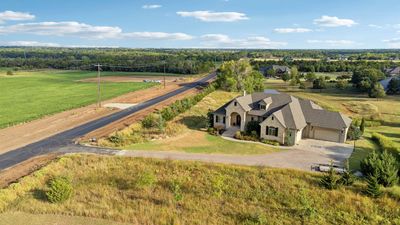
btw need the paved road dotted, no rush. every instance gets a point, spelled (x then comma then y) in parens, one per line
(65, 139)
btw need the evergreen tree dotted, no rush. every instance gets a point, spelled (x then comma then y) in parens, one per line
(347, 177)
(362, 125)
(388, 169)
(373, 187)
(330, 180)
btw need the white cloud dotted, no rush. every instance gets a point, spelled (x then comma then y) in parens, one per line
(70, 28)
(224, 41)
(151, 6)
(29, 43)
(333, 21)
(209, 16)
(393, 43)
(158, 36)
(332, 42)
(375, 26)
(15, 16)
(292, 30)
(82, 30)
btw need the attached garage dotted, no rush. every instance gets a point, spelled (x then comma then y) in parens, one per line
(326, 134)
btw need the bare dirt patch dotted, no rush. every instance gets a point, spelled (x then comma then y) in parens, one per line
(122, 79)
(23, 169)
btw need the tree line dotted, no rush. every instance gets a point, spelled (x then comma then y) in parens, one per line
(326, 65)
(182, 61)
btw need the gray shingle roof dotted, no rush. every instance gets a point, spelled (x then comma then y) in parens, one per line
(292, 112)
(323, 118)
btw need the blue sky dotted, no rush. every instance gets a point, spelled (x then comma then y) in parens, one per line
(281, 24)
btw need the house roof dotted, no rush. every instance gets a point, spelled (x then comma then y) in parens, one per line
(292, 112)
(323, 118)
(393, 70)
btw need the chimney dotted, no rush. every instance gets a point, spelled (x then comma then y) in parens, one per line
(244, 92)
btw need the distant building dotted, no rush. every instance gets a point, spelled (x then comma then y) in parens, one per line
(385, 82)
(278, 70)
(393, 71)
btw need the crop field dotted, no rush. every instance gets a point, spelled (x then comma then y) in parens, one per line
(28, 95)
(146, 191)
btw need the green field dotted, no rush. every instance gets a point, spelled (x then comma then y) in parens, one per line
(112, 188)
(28, 95)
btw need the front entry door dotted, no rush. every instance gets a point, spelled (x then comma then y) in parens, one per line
(238, 120)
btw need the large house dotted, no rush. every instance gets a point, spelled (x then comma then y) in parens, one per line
(278, 70)
(282, 118)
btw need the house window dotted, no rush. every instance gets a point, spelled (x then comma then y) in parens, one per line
(272, 118)
(272, 131)
(216, 119)
(235, 103)
(262, 107)
(252, 118)
(223, 120)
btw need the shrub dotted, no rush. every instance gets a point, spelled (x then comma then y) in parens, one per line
(354, 132)
(253, 126)
(153, 121)
(146, 179)
(10, 73)
(175, 187)
(341, 84)
(330, 180)
(270, 142)
(60, 190)
(373, 187)
(386, 144)
(302, 85)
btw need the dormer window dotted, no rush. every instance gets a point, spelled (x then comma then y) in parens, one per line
(262, 107)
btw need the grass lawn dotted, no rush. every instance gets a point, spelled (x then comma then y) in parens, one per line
(115, 188)
(28, 95)
(355, 105)
(191, 139)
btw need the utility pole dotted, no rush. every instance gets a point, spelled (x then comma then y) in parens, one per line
(164, 74)
(98, 86)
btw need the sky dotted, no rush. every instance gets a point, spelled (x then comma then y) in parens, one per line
(248, 24)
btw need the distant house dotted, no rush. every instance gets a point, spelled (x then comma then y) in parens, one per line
(283, 118)
(393, 71)
(278, 70)
(385, 82)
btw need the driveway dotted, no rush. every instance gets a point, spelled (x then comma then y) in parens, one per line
(301, 156)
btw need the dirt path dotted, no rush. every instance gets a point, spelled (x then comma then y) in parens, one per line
(23, 169)
(23, 134)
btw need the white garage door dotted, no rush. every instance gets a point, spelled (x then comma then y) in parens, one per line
(326, 134)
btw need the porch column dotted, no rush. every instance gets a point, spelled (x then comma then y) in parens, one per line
(243, 122)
